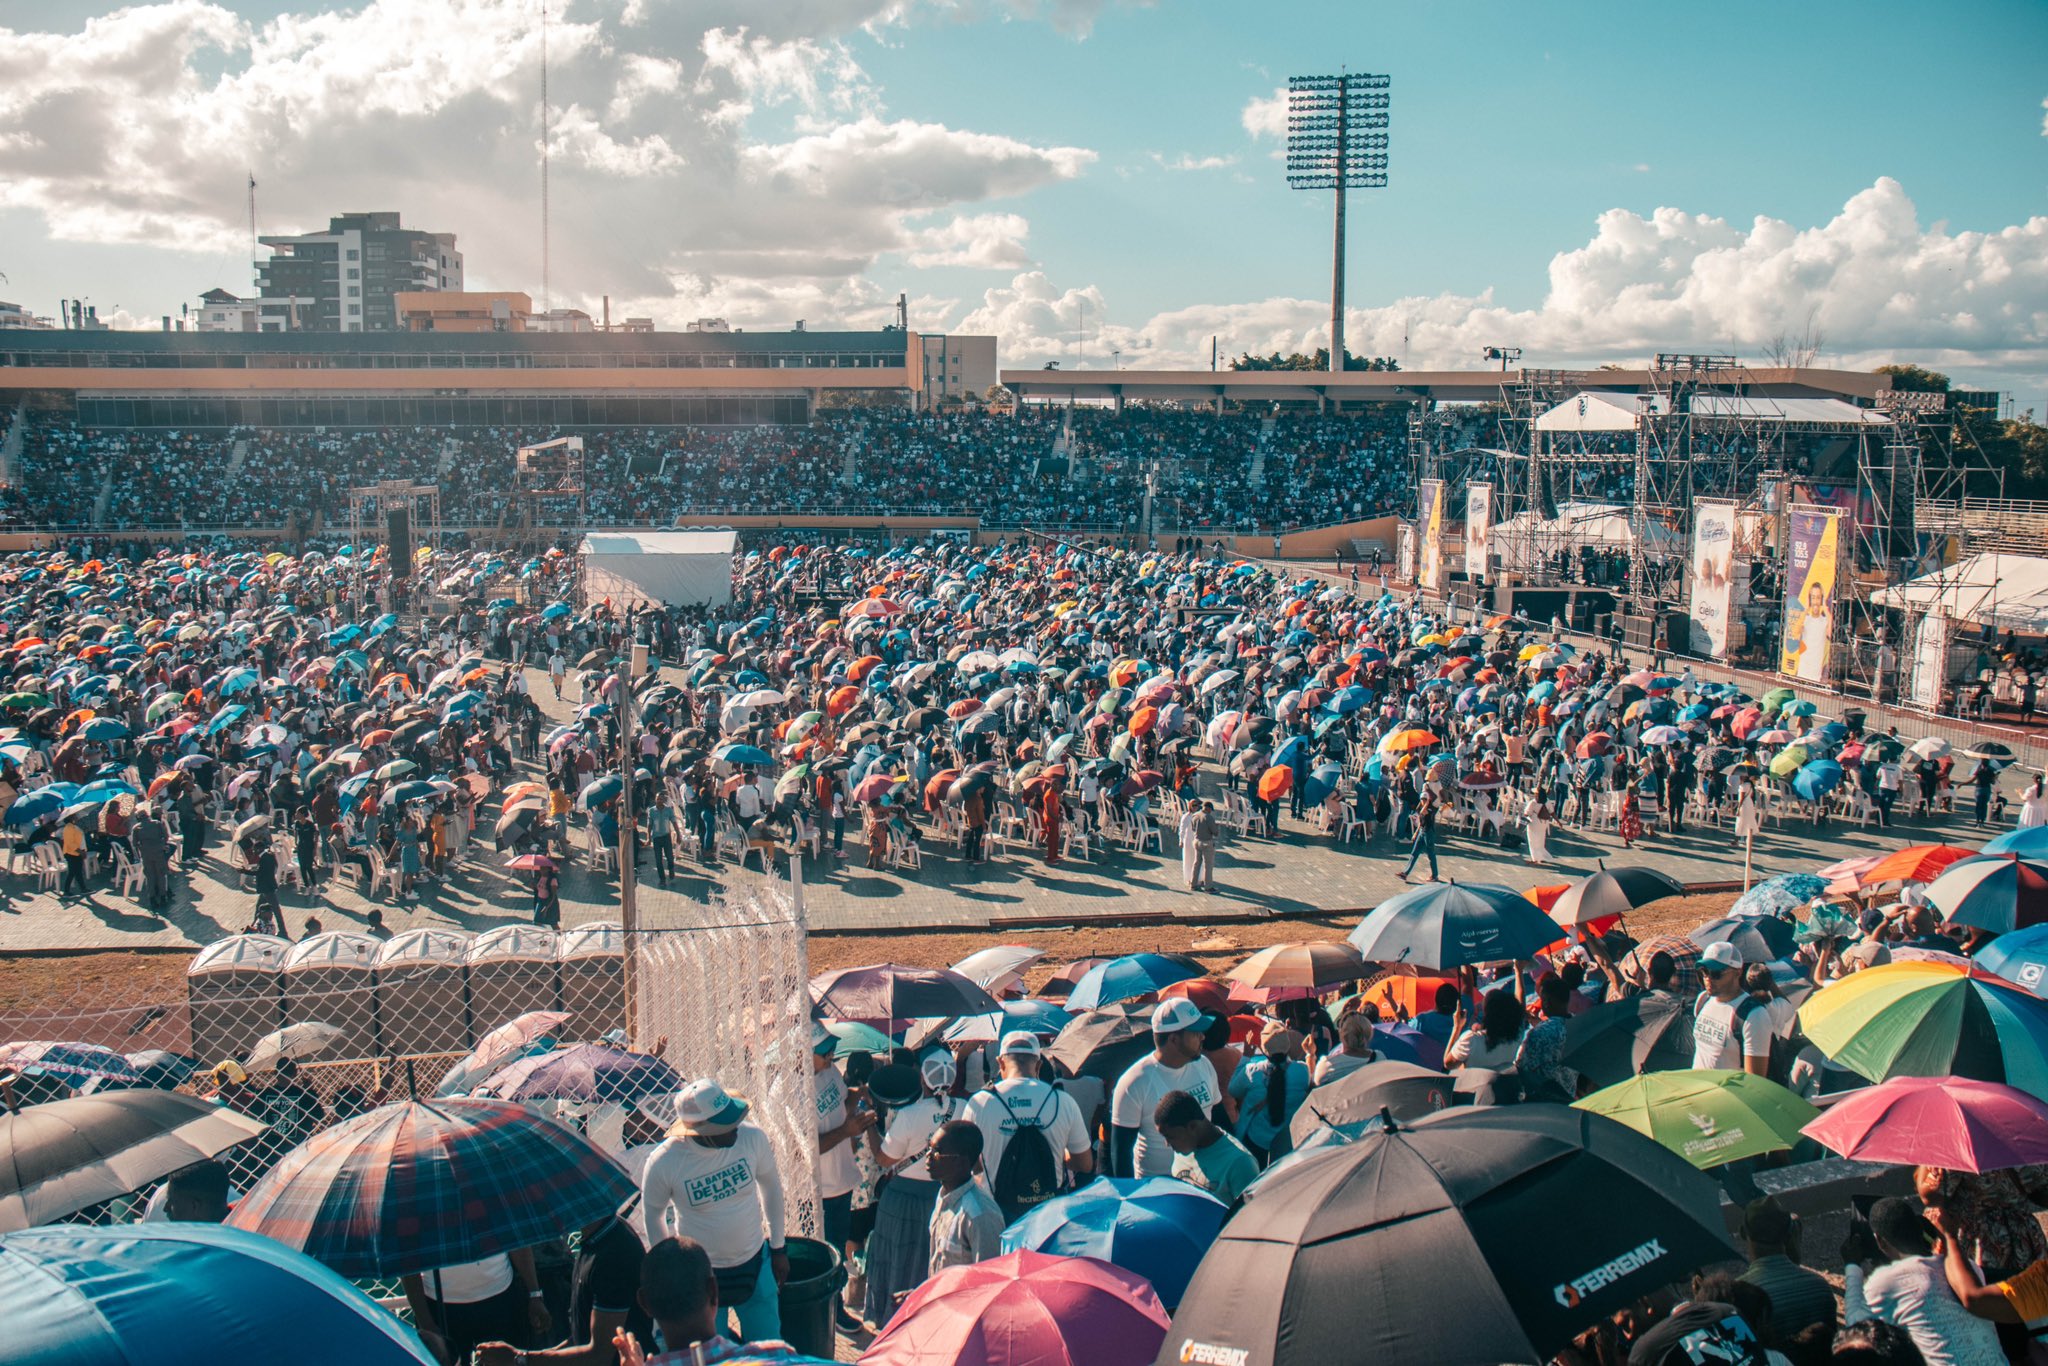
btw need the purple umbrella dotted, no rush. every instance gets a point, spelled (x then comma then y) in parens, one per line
(588, 1072)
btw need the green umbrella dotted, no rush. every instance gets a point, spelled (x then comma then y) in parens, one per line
(1790, 760)
(1707, 1117)
(24, 699)
(1774, 699)
(855, 1037)
(167, 705)
(397, 768)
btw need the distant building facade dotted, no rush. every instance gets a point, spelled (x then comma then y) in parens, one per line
(220, 311)
(348, 278)
(447, 311)
(954, 369)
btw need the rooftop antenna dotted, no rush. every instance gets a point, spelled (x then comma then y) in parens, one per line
(253, 247)
(547, 302)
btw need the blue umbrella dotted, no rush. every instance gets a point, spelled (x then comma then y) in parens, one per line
(225, 717)
(1321, 782)
(1293, 752)
(383, 624)
(2020, 957)
(555, 611)
(1157, 1227)
(594, 1073)
(1134, 974)
(1816, 779)
(38, 804)
(106, 789)
(599, 791)
(418, 790)
(1453, 924)
(345, 635)
(238, 680)
(2029, 842)
(1779, 895)
(104, 728)
(73, 1295)
(744, 755)
(1031, 1015)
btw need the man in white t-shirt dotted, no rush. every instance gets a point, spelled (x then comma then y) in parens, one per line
(715, 1179)
(1174, 1064)
(1731, 1029)
(1021, 1100)
(838, 1129)
(1910, 1289)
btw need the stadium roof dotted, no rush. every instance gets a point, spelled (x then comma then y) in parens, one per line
(1398, 386)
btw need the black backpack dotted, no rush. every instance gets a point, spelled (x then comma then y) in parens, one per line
(1029, 1173)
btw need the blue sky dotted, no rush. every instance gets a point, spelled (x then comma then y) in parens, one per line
(1011, 162)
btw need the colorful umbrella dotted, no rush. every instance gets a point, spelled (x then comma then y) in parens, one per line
(1779, 895)
(1997, 892)
(593, 1073)
(1949, 1122)
(1308, 966)
(1025, 1309)
(74, 1295)
(416, 1186)
(1931, 1019)
(1709, 1118)
(1156, 1227)
(79, 1065)
(1915, 863)
(1129, 977)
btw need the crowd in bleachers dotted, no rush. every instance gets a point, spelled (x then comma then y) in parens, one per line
(1037, 467)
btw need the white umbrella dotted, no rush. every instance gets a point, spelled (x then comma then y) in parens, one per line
(293, 1041)
(1933, 747)
(993, 969)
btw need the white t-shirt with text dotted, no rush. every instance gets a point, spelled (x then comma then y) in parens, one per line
(1138, 1093)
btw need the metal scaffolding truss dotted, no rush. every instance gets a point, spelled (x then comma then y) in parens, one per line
(368, 505)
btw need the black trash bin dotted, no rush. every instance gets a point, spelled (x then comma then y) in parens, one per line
(808, 1296)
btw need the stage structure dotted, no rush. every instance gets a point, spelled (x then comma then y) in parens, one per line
(547, 478)
(398, 513)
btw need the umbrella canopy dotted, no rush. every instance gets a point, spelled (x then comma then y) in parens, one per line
(1309, 966)
(593, 1073)
(1779, 895)
(416, 1186)
(1612, 892)
(1033, 1017)
(1948, 1122)
(64, 1155)
(2021, 957)
(303, 1040)
(1404, 1090)
(1758, 938)
(499, 1046)
(1709, 1118)
(1616, 1040)
(1999, 892)
(889, 991)
(1915, 863)
(81, 1296)
(1928, 1019)
(81, 1066)
(1102, 1043)
(1452, 924)
(1025, 1309)
(997, 967)
(1156, 1227)
(1131, 976)
(2029, 842)
(1414, 1243)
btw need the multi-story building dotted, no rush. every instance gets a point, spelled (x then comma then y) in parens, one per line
(435, 310)
(220, 311)
(14, 316)
(954, 369)
(347, 278)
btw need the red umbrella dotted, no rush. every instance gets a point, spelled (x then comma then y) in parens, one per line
(1952, 1122)
(1599, 742)
(1275, 783)
(841, 701)
(874, 787)
(1025, 1309)
(1206, 992)
(964, 707)
(531, 863)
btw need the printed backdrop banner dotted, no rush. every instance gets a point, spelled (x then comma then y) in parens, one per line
(1930, 660)
(1478, 528)
(1812, 570)
(1432, 519)
(1404, 555)
(1713, 586)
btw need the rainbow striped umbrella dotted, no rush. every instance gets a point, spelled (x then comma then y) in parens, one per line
(420, 1185)
(1932, 1019)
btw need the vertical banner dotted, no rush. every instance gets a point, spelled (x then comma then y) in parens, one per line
(1432, 519)
(1404, 555)
(1713, 577)
(1930, 661)
(1812, 573)
(1478, 529)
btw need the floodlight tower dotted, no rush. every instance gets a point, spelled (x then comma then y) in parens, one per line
(1337, 140)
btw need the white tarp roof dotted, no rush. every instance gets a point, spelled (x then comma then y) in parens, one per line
(1595, 411)
(1988, 589)
(1593, 523)
(681, 568)
(1785, 410)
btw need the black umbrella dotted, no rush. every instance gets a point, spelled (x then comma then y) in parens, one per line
(1616, 1040)
(1758, 938)
(1644, 885)
(1442, 1242)
(891, 991)
(63, 1155)
(1408, 1092)
(514, 822)
(1103, 1043)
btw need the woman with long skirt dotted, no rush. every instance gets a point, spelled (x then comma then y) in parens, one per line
(899, 1249)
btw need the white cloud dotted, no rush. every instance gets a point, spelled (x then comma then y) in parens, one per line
(1188, 161)
(1265, 116)
(2044, 119)
(1875, 282)
(138, 128)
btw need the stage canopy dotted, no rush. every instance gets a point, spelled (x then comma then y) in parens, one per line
(1818, 411)
(1990, 589)
(1598, 411)
(679, 568)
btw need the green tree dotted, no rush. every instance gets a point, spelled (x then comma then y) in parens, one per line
(1319, 360)
(1916, 378)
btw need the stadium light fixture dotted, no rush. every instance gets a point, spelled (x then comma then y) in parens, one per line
(1337, 140)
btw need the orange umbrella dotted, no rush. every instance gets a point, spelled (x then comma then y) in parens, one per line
(1143, 720)
(1123, 673)
(935, 787)
(966, 706)
(862, 667)
(1275, 783)
(1413, 995)
(1546, 901)
(1915, 863)
(841, 701)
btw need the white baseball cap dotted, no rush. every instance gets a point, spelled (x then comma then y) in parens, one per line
(1178, 1015)
(1020, 1043)
(704, 1109)
(1719, 957)
(938, 1070)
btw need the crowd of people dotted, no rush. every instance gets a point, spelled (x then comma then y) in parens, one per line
(1018, 468)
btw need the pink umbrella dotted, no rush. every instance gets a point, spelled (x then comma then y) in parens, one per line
(1846, 876)
(1025, 1309)
(1950, 1122)
(507, 1039)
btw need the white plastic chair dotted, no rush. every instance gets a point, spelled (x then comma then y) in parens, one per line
(49, 866)
(127, 873)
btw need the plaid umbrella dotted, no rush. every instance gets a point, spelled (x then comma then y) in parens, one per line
(416, 1186)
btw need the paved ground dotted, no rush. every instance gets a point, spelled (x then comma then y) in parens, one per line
(1298, 873)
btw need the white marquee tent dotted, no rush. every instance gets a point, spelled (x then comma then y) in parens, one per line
(1989, 589)
(681, 568)
(1598, 411)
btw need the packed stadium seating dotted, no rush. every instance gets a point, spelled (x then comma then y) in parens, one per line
(1037, 467)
